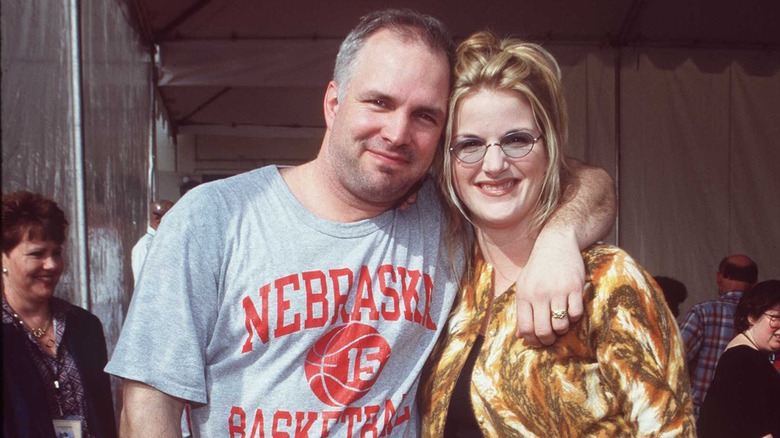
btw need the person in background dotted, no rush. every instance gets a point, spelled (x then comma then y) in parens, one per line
(157, 210)
(619, 371)
(674, 291)
(743, 399)
(187, 185)
(53, 352)
(708, 327)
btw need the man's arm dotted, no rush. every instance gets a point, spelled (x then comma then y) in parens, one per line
(554, 276)
(147, 412)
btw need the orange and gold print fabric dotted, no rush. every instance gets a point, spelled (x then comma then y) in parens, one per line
(619, 372)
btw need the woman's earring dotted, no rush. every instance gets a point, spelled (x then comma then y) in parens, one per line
(5, 270)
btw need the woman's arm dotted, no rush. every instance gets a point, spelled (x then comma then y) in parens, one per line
(638, 346)
(554, 275)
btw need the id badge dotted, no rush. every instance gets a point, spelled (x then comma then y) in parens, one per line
(67, 428)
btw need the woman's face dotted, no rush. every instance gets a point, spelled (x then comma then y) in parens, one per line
(34, 269)
(499, 191)
(765, 332)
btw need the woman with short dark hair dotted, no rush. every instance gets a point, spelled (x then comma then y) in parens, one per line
(53, 352)
(744, 397)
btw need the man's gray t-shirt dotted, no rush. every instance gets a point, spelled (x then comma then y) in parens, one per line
(273, 321)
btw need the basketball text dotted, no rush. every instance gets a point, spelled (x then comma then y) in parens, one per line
(371, 421)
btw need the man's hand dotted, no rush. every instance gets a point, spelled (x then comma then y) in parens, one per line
(409, 200)
(553, 280)
(410, 197)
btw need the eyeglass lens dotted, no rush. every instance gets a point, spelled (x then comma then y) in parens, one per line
(514, 145)
(774, 320)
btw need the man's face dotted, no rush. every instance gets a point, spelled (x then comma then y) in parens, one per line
(384, 132)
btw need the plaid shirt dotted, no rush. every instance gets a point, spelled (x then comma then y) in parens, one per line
(706, 330)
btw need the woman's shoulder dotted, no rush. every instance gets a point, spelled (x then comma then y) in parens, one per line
(613, 278)
(74, 313)
(743, 366)
(739, 355)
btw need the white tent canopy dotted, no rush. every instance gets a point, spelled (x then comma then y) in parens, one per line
(247, 63)
(677, 99)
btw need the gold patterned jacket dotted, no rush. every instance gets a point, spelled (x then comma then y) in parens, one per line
(618, 372)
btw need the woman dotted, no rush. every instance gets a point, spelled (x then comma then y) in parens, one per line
(744, 397)
(620, 371)
(53, 352)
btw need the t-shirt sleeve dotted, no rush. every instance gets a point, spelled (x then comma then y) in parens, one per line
(174, 307)
(639, 349)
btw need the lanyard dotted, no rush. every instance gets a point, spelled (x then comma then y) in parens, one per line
(56, 371)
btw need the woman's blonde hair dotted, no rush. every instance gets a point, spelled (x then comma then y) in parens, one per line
(486, 62)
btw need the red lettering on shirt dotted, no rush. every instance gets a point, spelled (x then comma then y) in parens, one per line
(279, 417)
(329, 417)
(360, 421)
(351, 415)
(409, 292)
(316, 295)
(383, 273)
(401, 292)
(427, 320)
(369, 427)
(340, 299)
(364, 299)
(302, 425)
(387, 424)
(236, 413)
(253, 320)
(283, 305)
(257, 425)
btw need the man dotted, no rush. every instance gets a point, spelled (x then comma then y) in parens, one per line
(157, 210)
(297, 300)
(708, 327)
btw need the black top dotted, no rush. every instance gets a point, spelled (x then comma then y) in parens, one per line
(744, 397)
(461, 422)
(25, 409)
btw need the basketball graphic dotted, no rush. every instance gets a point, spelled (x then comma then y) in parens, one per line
(343, 365)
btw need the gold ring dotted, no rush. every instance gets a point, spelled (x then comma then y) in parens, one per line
(559, 314)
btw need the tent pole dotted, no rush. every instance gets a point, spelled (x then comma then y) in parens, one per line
(77, 99)
(618, 67)
(151, 180)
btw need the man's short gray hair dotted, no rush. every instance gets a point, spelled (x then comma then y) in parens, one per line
(406, 23)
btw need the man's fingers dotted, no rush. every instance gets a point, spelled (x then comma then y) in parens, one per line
(542, 325)
(575, 305)
(559, 312)
(525, 323)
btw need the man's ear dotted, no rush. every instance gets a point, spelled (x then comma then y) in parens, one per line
(331, 103)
